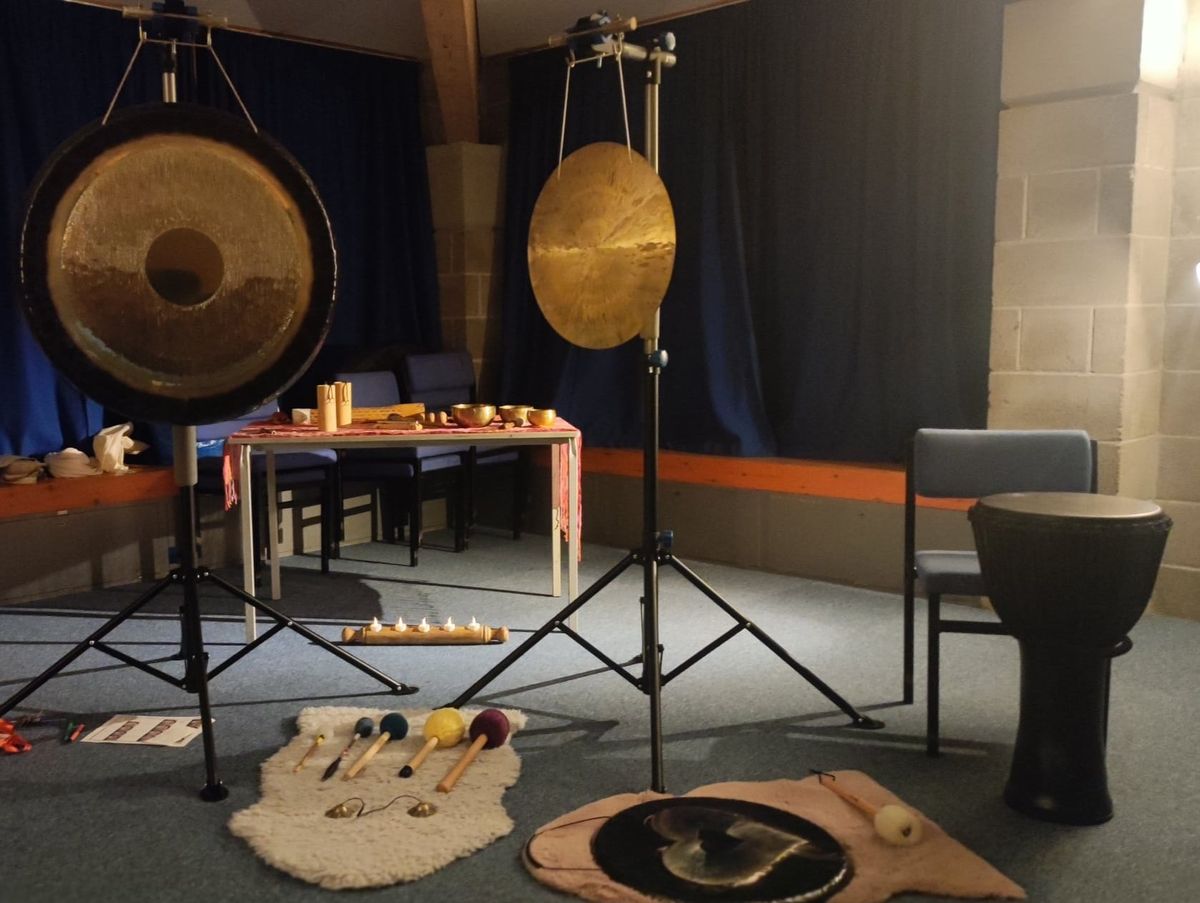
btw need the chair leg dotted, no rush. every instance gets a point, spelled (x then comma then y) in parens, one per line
(467, 487)
(909, 641)
(461, 517)
(932, 676)
(414, 517)
(326, 524)
(520, 483)
(337, 515)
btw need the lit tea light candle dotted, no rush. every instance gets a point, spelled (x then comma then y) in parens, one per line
(400, 625)
(449, 625)
(424, 625)
(375, 625)
(474, 626)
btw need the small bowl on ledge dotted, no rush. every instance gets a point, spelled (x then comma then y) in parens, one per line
(515, 413)
(473, 414)
(543, 417)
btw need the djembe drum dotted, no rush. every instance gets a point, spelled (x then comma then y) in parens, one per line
(1069, 574)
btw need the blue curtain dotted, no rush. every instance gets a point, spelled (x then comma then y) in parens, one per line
(351, 120)
(832, 164)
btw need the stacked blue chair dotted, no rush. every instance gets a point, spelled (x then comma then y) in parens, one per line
(405, 475)
(312, 468)
(447, 378)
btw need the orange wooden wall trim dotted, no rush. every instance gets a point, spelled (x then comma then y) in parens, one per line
(64, 494)
(825, 479)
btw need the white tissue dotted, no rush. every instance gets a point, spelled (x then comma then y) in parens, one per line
(16, 469)
(71, 462)
(112, 444)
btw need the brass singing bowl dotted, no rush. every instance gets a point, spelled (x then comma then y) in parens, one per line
(543, 417)
(473, 414)
(515, 413)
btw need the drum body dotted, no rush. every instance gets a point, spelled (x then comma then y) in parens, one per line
(1069, 574)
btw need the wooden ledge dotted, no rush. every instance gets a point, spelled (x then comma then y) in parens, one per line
(62, 495)
(883, 483)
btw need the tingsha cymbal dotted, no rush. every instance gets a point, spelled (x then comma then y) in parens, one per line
(601, 245)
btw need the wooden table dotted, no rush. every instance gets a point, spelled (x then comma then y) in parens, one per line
(270, 438)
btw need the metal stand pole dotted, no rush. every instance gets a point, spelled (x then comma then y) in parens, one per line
(655, 546)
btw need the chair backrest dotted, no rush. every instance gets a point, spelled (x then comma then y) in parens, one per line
(210, 431)
(371, 388)
(440, 379)
(974, 463)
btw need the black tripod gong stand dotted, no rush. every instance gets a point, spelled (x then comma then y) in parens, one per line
(655, 549)
(189, 574)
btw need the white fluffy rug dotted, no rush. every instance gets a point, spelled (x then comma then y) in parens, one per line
(288, 827)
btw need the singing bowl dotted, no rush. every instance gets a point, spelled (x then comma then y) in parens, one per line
(543, 417)
(177, 265)
(473, 414)
(515, 413)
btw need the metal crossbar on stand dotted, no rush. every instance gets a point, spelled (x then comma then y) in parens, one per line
(655, 549)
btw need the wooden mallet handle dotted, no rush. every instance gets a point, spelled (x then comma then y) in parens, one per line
(422, 754)
(367, 756)
(452, 776)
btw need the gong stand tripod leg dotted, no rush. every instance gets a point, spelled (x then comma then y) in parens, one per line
(195, 658)
(195, 680)
(557, 623)
(86, 644)
(283, 621)
(744, 623)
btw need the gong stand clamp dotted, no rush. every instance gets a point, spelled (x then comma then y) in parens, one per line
(171, 28)
(655, 550)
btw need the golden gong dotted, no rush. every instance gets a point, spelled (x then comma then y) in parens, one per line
(177, 265)
(178, 261)
(601, 245)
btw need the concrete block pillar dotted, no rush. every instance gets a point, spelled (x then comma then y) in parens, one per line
(466, 185)
(1089, 226)
(1178, 590)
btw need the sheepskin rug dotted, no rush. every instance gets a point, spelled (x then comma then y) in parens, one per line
(288, 827)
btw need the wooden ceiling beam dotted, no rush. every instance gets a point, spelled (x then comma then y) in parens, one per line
(453, 35)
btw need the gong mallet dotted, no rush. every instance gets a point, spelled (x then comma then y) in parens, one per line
(393, 725)
(895, 824)
(317, 741)
(363, 727)
(489, 729)
(444, 728)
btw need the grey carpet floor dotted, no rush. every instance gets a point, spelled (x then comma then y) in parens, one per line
(85, 822)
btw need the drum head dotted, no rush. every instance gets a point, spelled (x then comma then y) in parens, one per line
(709, 848)
(176, 265)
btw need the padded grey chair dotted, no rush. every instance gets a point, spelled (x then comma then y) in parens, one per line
(970, 464)
(445, 378)
(403, 472)
(311, 468)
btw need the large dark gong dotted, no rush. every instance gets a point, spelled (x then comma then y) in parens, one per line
(176, 265)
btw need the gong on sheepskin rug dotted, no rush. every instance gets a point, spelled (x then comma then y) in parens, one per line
(839, 837)
(320, 829)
